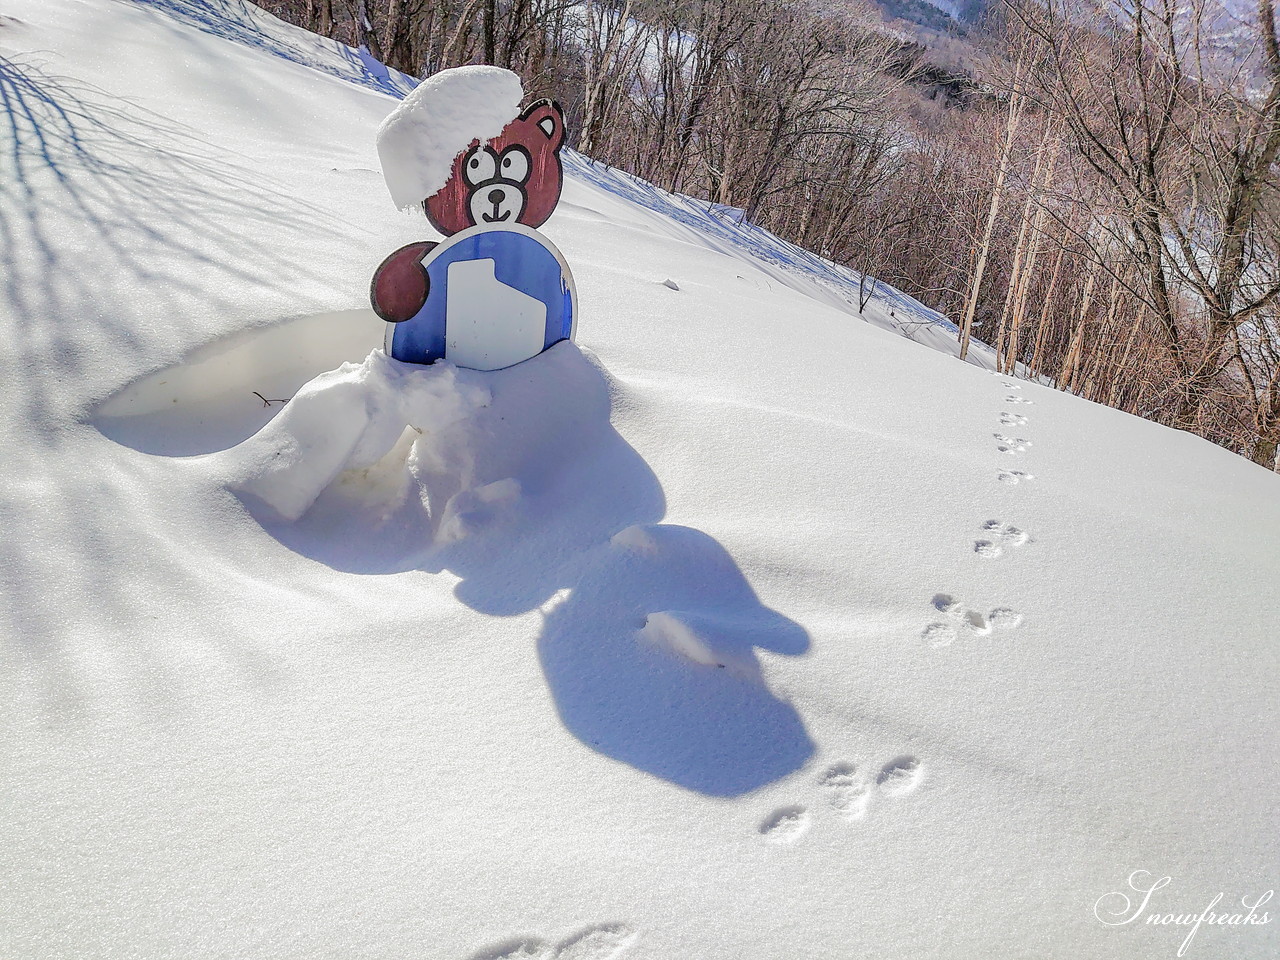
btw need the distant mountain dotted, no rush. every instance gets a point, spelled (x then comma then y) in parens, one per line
(947, 30)
(940, 15)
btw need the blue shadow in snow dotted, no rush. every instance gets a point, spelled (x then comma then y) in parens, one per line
(708, 722)
(534, 501)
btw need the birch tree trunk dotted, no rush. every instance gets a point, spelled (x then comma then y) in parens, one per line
(993, 212)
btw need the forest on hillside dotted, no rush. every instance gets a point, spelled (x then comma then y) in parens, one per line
(1090, 187)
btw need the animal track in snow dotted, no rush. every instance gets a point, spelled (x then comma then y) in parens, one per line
(1012, 477)
(1013, 419)
(785, 825)
(966, 621)
(602, 942)
(1004, 618)
(1017, 399)
(1011, 445)
(975, 621)
(848, 794)
(939, 635)
(999, 535)
(899, 777)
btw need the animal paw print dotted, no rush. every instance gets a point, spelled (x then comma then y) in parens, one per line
(1012, 419)
(1014, 477)
(939, 635)
(1011, 445)
(1014, 398)
(899, 777)
(849, 792)
(603, 942)
(785, 825)
(966, 621)
(999, 536)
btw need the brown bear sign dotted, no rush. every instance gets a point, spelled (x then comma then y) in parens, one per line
(514, 178)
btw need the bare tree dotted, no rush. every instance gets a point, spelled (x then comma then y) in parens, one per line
(1187, 159)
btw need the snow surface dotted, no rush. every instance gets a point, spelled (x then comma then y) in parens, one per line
(426, 663)
(421, 137)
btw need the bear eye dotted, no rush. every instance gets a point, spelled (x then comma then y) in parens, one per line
(514, 164)
(478, 166)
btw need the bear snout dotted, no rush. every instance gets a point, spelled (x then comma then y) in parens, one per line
(496, 201)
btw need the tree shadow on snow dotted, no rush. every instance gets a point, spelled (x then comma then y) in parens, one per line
(100, 198)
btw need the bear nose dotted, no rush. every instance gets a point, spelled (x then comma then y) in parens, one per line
(497, 196)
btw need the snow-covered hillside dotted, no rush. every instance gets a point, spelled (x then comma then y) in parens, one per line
(741, 628)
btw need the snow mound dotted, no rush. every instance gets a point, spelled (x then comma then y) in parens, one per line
(419, 141)
(506, 477)
(344, 421)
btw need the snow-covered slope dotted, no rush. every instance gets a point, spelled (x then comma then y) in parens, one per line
(740, 629)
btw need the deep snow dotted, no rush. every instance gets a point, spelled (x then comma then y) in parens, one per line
(987, 649)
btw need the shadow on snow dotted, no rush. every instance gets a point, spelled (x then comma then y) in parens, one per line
(517, 483)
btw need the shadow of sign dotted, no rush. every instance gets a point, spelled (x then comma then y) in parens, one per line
(516, 482)
(652, 661)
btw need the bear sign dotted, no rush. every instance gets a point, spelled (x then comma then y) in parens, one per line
(495, 292)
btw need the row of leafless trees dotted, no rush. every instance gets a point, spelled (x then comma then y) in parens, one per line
(739, 101)
(1101, 206)
(1147, 211)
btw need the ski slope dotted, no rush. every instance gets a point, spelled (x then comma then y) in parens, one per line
(742, 628)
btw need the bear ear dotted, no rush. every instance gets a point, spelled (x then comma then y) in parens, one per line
(547, 116)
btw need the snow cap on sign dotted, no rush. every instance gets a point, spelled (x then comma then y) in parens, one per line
(419, 141)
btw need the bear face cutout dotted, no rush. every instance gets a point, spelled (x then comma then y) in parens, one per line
(497, 182)
(515, 177)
